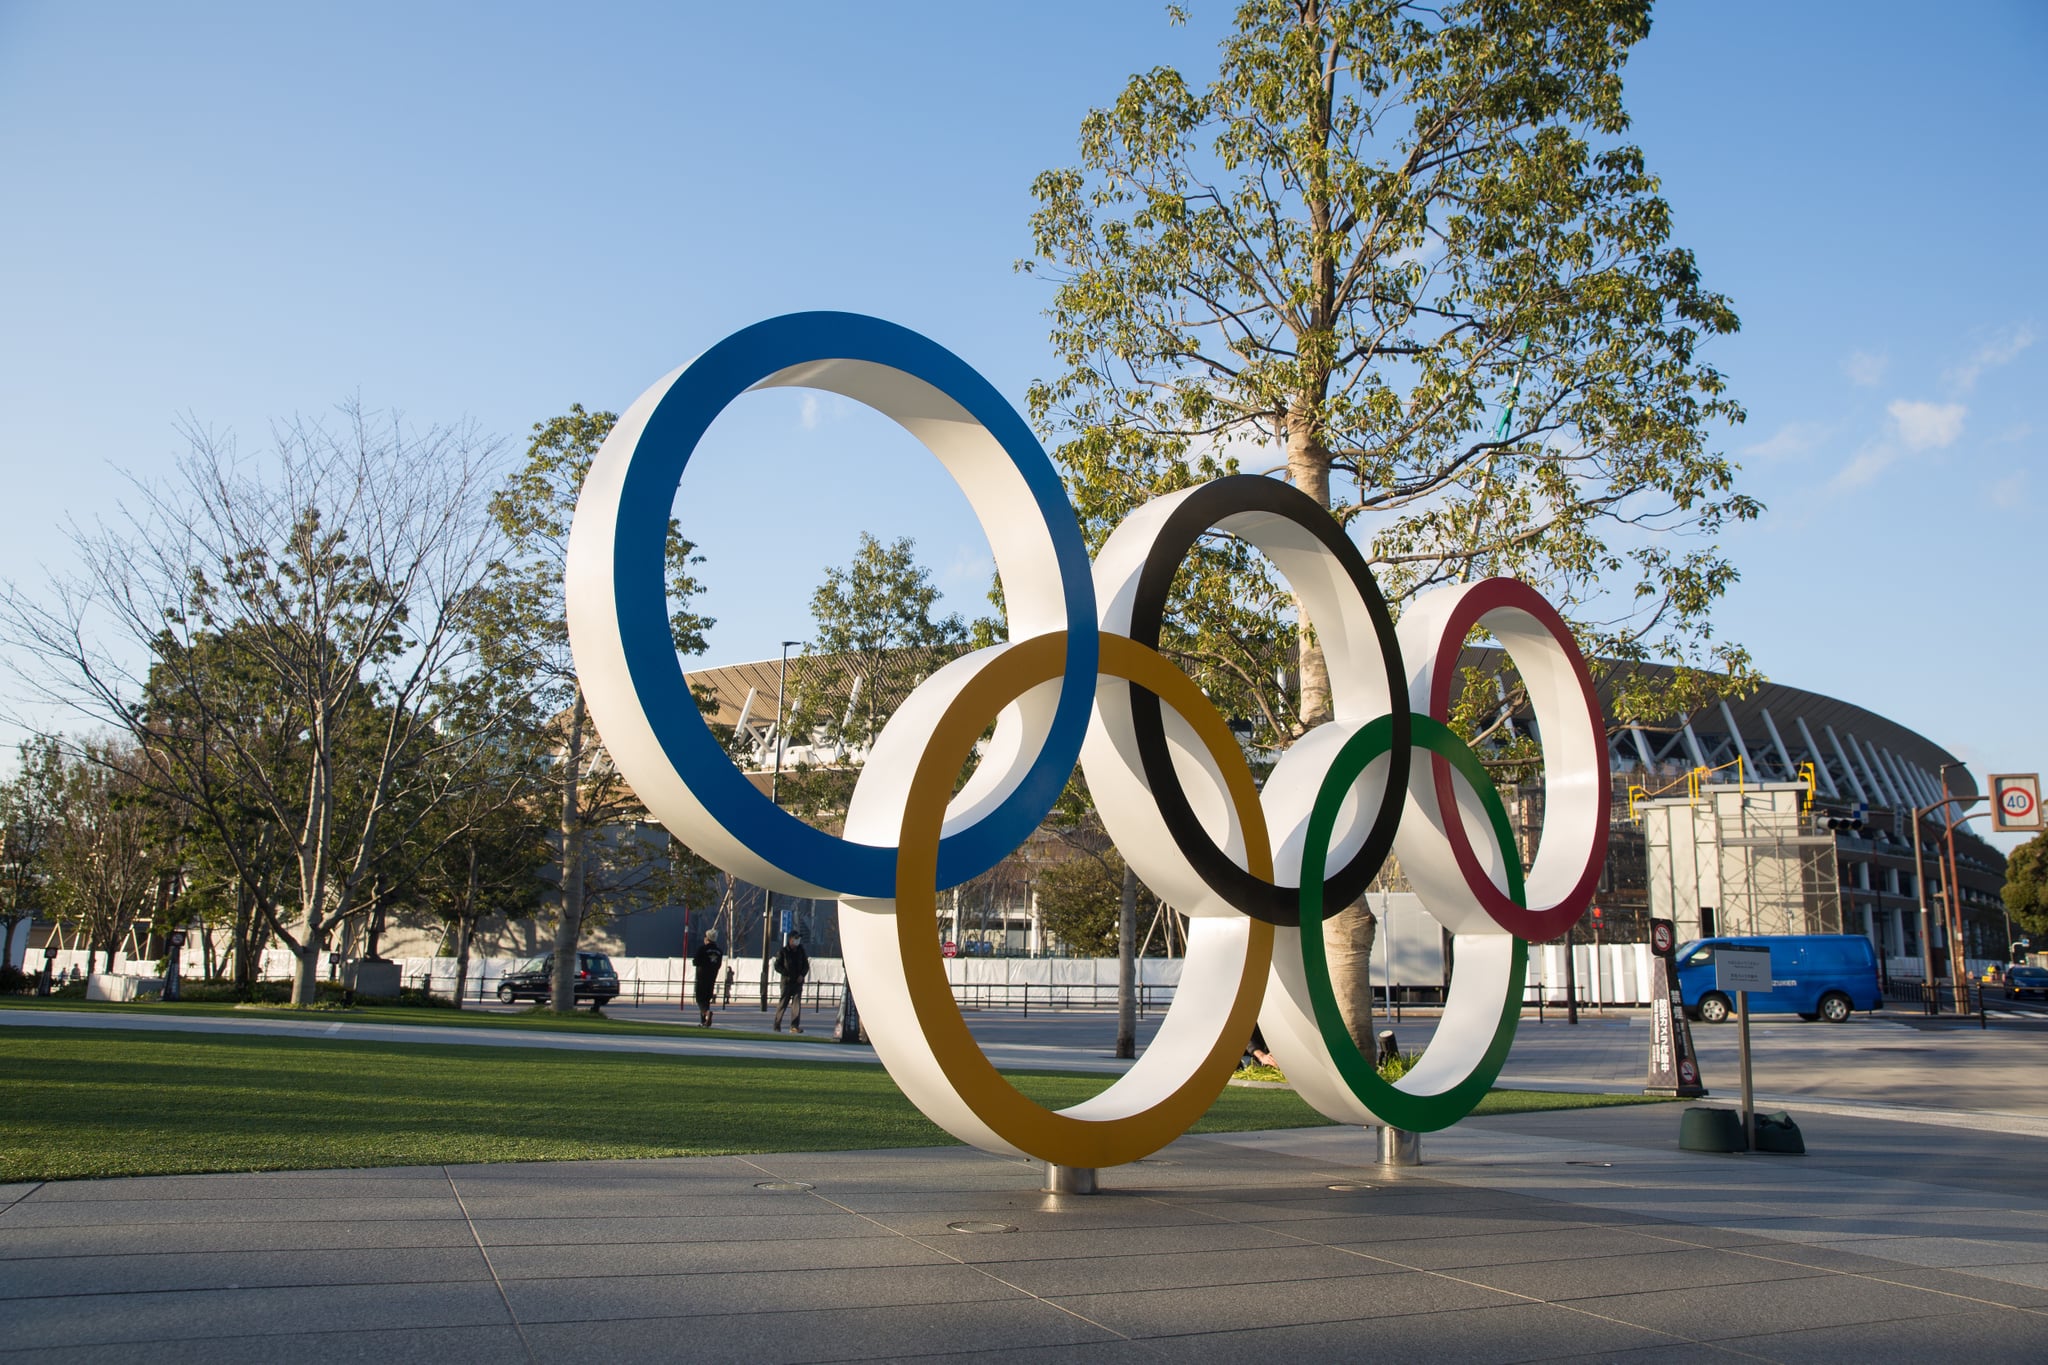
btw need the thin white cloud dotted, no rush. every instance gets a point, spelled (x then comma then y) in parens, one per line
(2010, 491)
(970, 568)
(808, 413)
(1927, 426)
(2002, 349)
(1865, 367)
(1868, 463)
(1792, 439)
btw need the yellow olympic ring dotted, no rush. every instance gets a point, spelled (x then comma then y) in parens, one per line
(1124, 1131)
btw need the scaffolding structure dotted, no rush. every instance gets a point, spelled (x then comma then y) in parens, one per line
(1739, 858)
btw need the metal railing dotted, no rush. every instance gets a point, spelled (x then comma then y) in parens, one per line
(819, 995)
(1940, 998)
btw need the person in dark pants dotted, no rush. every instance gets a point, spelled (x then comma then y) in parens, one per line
(792, 964)
(708, 960)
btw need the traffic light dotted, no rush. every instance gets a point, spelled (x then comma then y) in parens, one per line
(1850, 823)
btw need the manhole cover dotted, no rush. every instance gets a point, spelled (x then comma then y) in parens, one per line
(981, 1227)
(784, 1186)
(1347, 1188)
(1157, 1161)
(1589, 1163)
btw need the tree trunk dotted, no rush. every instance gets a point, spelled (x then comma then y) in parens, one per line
(1308, 469)
(465, 926)
(1348, 938)
(463, 931)
(306, 981)
(562, 997)
(1127, 968)
(375, 930)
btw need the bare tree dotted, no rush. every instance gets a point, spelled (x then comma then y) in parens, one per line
(105, 860)
(276, 635)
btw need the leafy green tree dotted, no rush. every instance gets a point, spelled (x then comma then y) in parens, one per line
(2026, 884)
(487, 847)
(1403, 256)
(1380, 227)
(522, 630)
(32, 811)
(876, 638)
(1081, 900)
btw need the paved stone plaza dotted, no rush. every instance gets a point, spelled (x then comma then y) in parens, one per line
(1583, 1235)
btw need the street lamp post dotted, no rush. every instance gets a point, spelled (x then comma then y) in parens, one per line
(775, 798)
(1959, 970)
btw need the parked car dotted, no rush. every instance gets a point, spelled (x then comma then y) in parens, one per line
(1815, 976)
(2024, 981)
(533, 979)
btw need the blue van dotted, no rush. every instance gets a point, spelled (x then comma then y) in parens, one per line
(1815, 976)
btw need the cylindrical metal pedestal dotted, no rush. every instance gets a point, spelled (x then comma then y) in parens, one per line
(1069, 1179)
(1399, 1147)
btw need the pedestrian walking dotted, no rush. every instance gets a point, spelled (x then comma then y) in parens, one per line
(792, 964)
(708, 960)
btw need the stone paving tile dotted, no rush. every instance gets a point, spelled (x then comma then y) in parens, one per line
(497, 1232)
(1114, 1351)
(163, 1271)
(1717, 1313)
(1473, 1336)
(793, 1255)
(1981, 1338)
(406, 1346)
(1970, 1285)
(229, 1314)
(654, 1296)
(1031, 1213)
(852, 1333)
(110, 1239)
(1057, 1277)
(572, 1204)
(1679, 1269)
(1457, 1253)
(1387, 1230)
(430, 1183)
(41, 1213)
(2035, 1276)
(1110, 1241)
(1169, 1312)
(1674, 1353)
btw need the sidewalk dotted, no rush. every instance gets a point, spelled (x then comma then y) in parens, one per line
(1582, 1236)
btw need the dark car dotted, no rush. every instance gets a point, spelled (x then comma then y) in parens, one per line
(533, 979)
(2021, 981)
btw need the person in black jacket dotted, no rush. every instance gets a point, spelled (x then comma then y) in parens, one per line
(708, 960)
(792, 964)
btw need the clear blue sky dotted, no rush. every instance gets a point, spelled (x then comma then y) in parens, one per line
(242, 212)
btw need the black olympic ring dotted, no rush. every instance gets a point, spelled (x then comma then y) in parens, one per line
(1214, 505)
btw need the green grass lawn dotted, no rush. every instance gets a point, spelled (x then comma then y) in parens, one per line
(818, 1029)
(115, 1102)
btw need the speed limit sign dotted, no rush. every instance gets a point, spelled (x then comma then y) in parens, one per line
(2016, 803)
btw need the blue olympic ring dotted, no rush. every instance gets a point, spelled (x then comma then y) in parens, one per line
(678, 422)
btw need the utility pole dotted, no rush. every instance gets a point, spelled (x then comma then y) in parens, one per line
(1920, 888)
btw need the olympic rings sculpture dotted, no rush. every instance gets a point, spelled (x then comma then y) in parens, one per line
(1257, 869)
